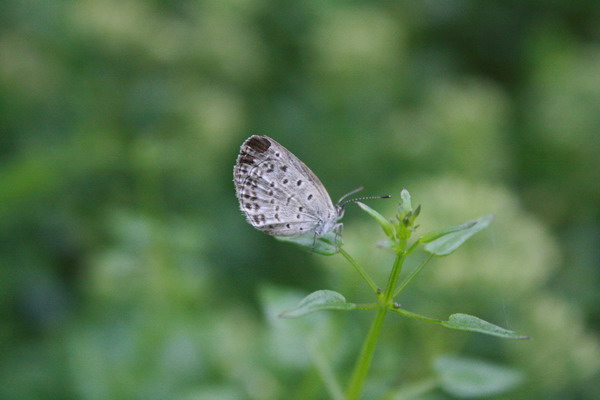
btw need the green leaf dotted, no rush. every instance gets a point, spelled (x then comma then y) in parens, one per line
(406, 201)
(387, 226)
(327, 245)
(465, 322)
(431, 236)
(444, 242)
(317, 301)
(468, 378)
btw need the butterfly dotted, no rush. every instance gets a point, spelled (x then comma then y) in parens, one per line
(280, 195)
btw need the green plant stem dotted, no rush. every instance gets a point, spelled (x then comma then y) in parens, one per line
(412, 275)
(360, 270)
(415, 316)
(413, 247)
(363, 363)
(368, 306)
(388, 295)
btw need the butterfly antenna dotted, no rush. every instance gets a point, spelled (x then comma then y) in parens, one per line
(387, 196)
(358, 189)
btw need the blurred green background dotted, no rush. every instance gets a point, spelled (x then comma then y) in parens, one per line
(128, 271)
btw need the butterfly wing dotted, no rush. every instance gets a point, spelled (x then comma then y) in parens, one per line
(278, 193)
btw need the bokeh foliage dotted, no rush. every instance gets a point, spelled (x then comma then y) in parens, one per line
(128, 271)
